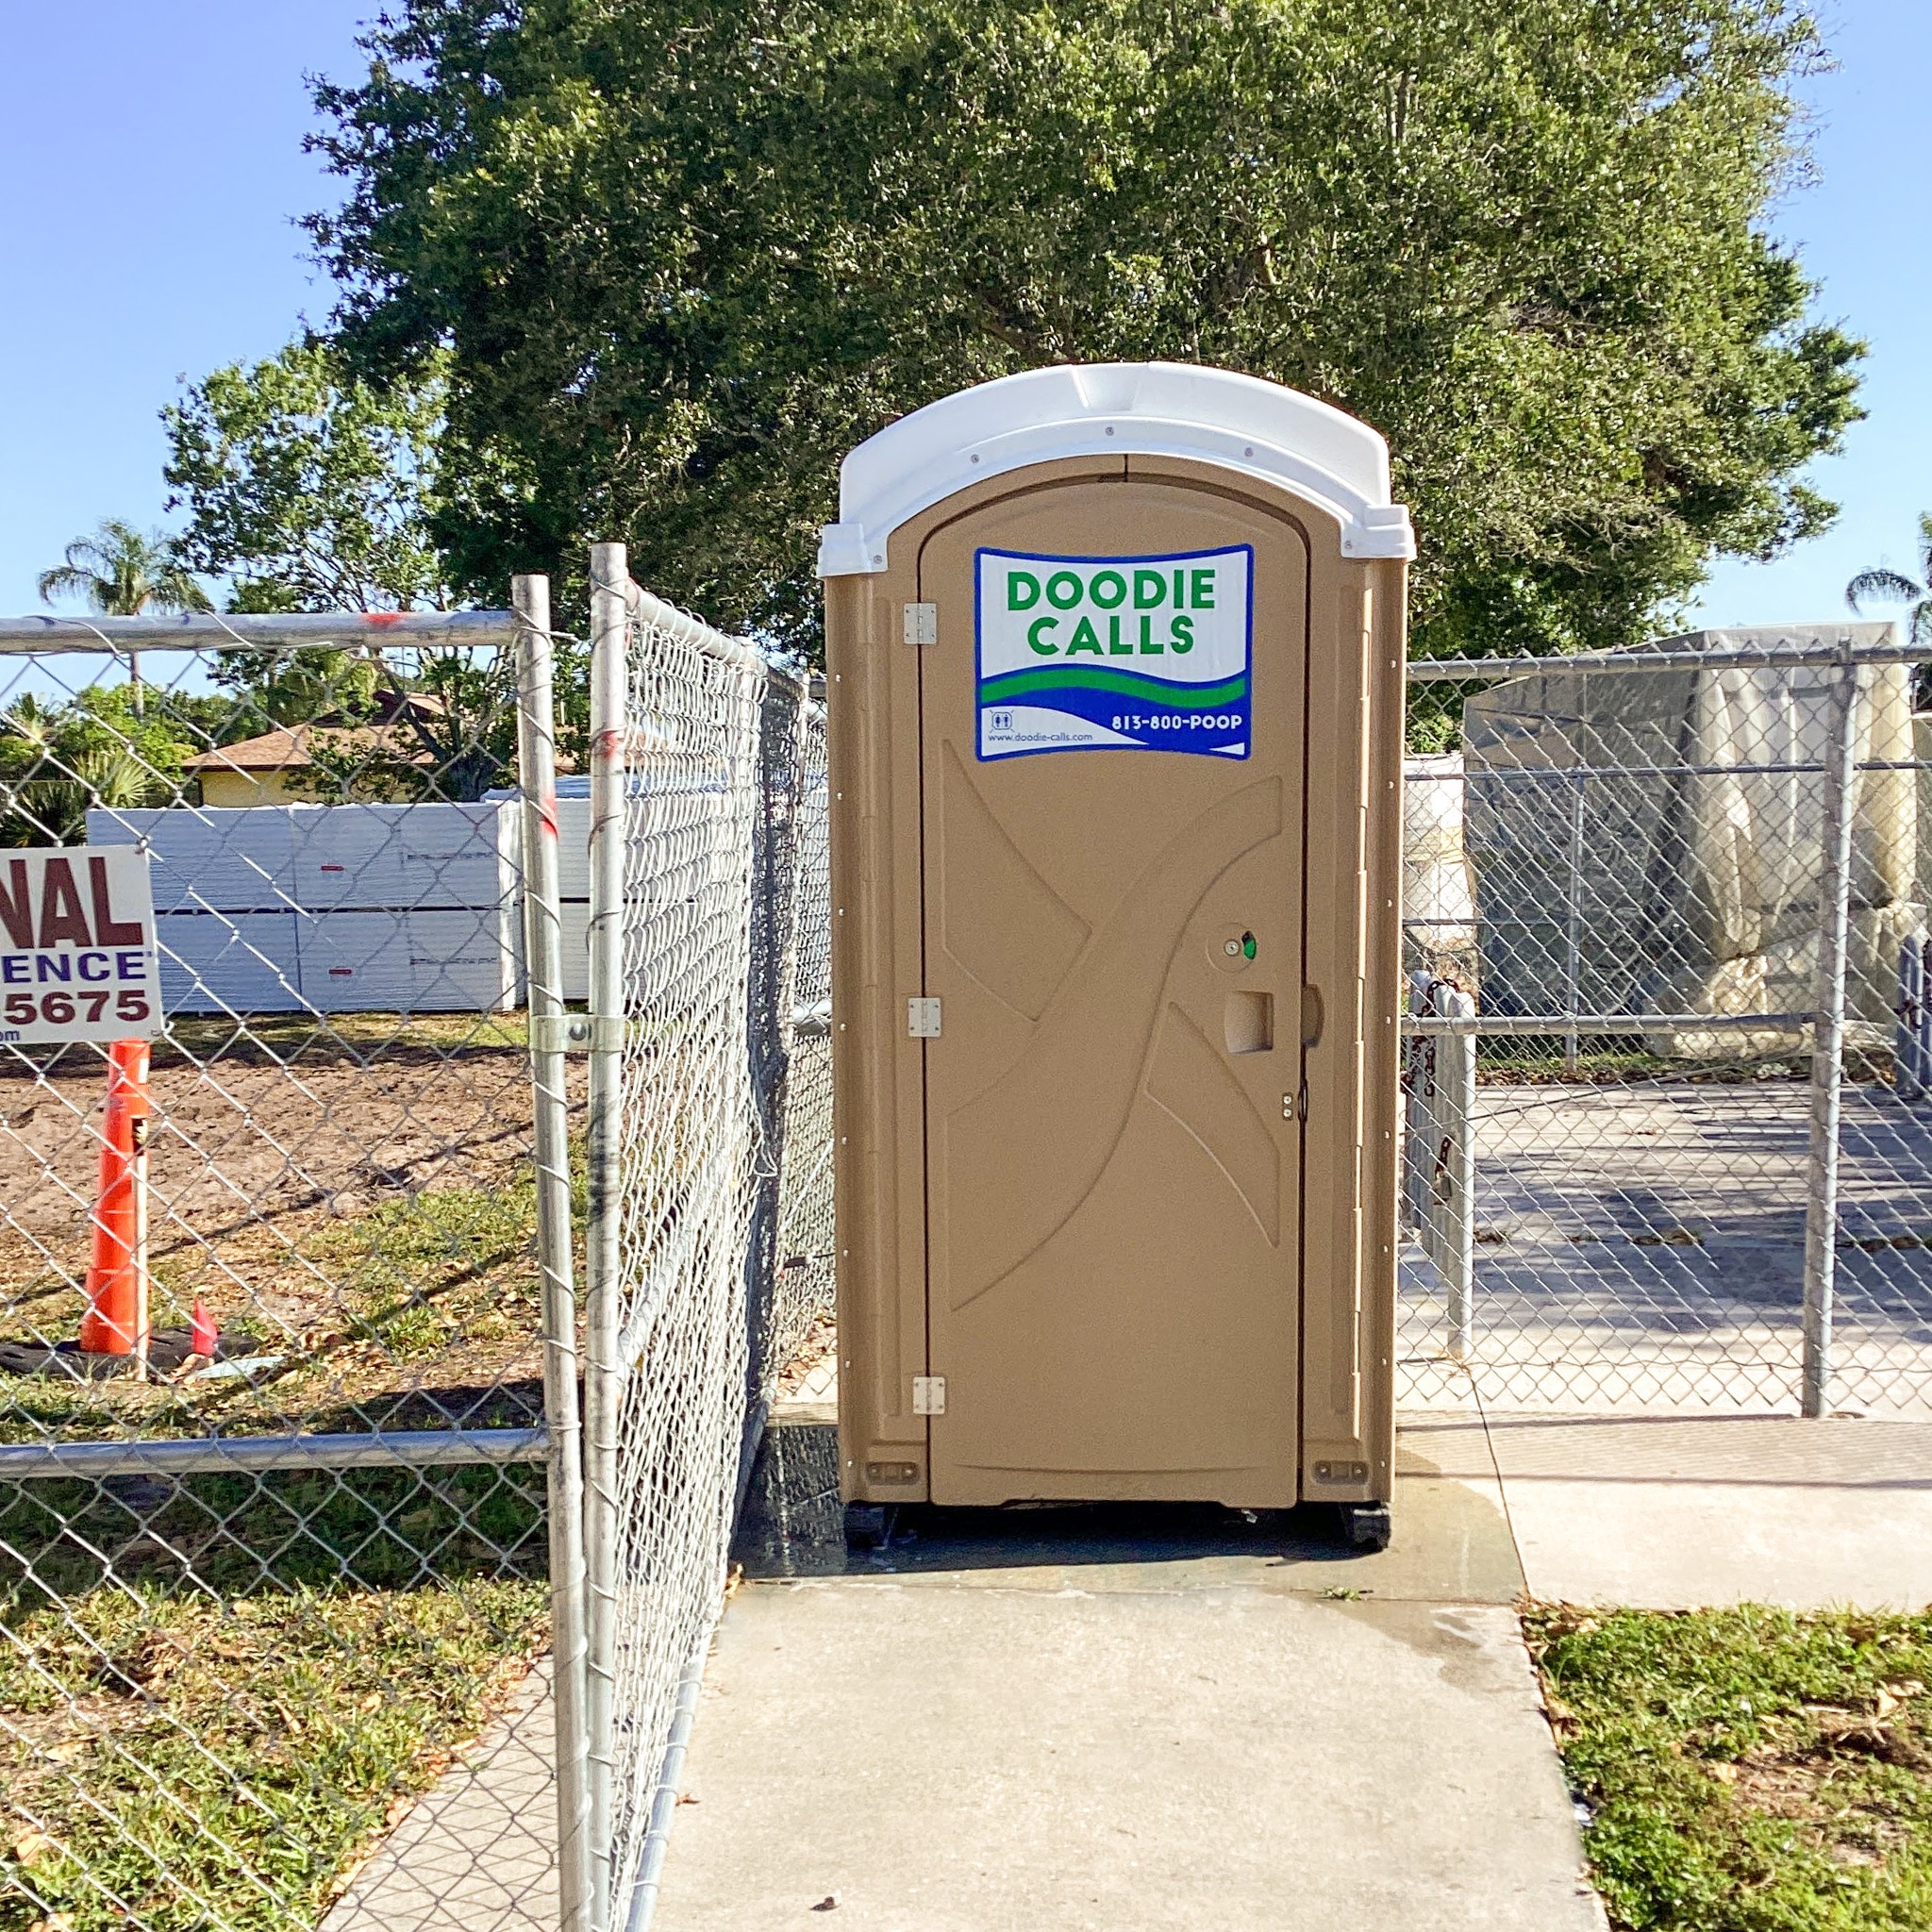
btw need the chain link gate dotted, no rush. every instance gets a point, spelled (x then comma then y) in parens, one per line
(272, 1569)
(1664, 921)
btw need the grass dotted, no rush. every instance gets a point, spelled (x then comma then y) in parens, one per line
(217, 1694)
(1748, 1770)
(213, 1701)
(434, 1306)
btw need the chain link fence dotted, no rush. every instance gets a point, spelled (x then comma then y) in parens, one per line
(802, 1339)
(328, 1523)
(268, 1570)
(1668, 1140)
(710, 1229)
(331, 1518)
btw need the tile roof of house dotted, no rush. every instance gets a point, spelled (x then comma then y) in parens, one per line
(285, 748)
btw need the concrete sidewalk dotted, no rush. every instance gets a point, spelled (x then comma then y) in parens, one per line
(1669, 1512)
(1046, 1720)
(477, 1853)
(1123, 1719)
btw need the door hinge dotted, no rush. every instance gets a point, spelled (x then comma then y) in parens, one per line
(1295, 1106)
(929, 1395)
(923, 1019)
(922, 623)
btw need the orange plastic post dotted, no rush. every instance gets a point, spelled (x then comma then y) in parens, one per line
(116, 1318)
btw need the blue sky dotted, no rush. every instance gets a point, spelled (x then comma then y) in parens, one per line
(1862, 231)
(153, 166)
(151, 151)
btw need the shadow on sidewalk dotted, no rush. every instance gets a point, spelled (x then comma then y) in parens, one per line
(793, 1526)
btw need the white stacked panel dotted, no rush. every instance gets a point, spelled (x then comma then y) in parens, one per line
(573, 891)
(465, 961)
(225, 922)
(333, 909)
(573, 849)
(576, 949)
(367, 857)
(206, 860)
(228, 962)
(447, 960)
(572, 881)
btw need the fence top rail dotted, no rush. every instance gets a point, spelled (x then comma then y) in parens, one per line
(694, 631)
(1503, 1026)
(1731, 658)
(1484, 773)
(197, 630)
(218, 1455)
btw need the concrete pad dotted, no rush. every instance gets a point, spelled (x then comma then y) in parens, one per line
(1172, 1718)
(1670, 1513)
(1102, 1759)
(477, 1852)
(1641, 1250)
(1125, 1716)
(1451, 1544)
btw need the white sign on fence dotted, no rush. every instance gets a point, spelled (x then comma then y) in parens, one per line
(76, 946)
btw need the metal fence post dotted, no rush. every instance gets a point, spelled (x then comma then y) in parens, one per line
(603, 1382)
(1455, 1166)
(543, 955)
(1827, 1038)
(1572, 928)
(1922, 1037)
(1907, 1065)
(1419, 1091)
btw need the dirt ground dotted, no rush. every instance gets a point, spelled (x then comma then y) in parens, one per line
(358, 1197)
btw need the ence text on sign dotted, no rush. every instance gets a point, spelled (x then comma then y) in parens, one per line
(76, 946)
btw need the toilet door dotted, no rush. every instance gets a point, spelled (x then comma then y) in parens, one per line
(1112, 729)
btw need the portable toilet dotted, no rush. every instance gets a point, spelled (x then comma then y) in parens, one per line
(1115, 702)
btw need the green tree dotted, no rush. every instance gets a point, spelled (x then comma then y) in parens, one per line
(119, 572)
(309, 488)
(296, 686)
(1894, 587)
(95, 749)
(448, 731)
(679, 259)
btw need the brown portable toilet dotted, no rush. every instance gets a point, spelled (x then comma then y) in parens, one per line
(1115, 684)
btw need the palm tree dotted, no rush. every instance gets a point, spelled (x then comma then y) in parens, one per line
(119, 572)
(1894, 587)
(51, 783)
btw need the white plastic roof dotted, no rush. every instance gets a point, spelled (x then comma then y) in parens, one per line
(1240, 423)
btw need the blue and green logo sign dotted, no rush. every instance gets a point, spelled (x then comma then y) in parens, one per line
(1115, 653)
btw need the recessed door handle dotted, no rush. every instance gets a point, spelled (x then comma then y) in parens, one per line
(1247, 1022)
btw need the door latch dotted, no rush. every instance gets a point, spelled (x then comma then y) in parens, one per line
(1295, 1106)
(923, 1019)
